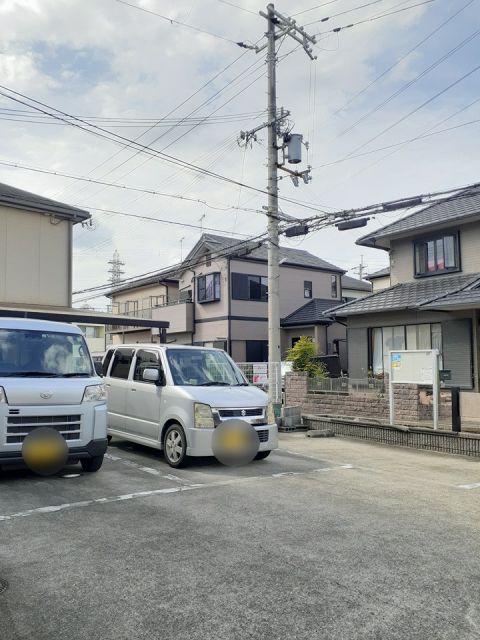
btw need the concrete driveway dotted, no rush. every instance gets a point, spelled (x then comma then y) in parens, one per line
(327, 538)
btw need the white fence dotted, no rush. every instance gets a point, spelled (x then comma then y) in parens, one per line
(262, 374)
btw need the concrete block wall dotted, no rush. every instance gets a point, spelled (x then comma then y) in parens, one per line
(410, 400)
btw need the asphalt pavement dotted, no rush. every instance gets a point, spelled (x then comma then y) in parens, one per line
(326, 538)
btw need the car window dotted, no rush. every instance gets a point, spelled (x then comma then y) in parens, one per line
(106, 361)
(121, 363)
(145, 360)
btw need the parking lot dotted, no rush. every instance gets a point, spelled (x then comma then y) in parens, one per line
(327, 538)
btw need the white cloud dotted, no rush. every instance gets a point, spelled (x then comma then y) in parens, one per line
(106, 59)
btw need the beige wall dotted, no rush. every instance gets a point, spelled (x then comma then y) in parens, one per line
(141, 294)
(354, 293)
(208, 309)
(291, 288)
(402, 256)
(379, 284)
(211, 331)
(35, 258)
(180, 317)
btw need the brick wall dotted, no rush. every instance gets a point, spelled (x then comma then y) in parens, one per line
(412, 403)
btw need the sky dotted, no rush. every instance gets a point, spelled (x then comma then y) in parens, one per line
(378, 83)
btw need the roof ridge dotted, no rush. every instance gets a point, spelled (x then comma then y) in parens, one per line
(468, 192)
(370, 295)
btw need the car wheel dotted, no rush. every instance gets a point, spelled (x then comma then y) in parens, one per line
(92, 464)
(175, 446)
(261, 455)
(109, 439)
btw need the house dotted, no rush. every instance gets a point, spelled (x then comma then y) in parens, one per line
(380, 279)
(36, 260)
(219, 298)
(434, 297)
(353, 288)
(95, 336)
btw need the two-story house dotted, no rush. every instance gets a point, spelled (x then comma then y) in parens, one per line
(36, 262)
(434, 297)
(222, 292)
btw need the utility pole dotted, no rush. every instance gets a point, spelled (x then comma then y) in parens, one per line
(361, 268)
(274, 350)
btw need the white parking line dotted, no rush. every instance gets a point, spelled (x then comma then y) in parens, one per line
(155, 492)
(475, 485)
(139, 467)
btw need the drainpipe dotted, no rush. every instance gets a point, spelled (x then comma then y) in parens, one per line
(229, 321)
(194, 279)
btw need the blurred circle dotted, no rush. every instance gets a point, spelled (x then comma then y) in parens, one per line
(45, 451)
(235, 442)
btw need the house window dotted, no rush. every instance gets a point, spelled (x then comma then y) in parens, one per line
(334, 286)
(437, 255)
(307, 289)
(208, 288)
(247, 287)
(412, 337)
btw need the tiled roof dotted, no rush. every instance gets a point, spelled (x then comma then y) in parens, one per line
(19, 199)
(465, 204)
(381, 273)
(410, 295)
(353, 283)
(467, 299)
(297, 257)
(310, 313)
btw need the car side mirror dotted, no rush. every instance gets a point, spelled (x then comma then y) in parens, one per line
(98, 366)
(154, 375)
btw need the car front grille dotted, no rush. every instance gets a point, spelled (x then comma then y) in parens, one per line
(262, 435)
(241, 413)
(18, 427)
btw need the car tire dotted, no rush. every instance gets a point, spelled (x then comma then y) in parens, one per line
(92, 464)
(175, 446)
(109, 439)
(261, 455)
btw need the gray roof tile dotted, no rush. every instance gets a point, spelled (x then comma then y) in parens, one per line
(310, 313)
(354, 283)
(297, 257)
(467, 298)
(465, 204)
(20, 199)
(381, 273)
(410, 295)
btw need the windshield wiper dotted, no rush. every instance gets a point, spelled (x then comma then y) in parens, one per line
(242, 384)
(75, 375)
(215, 384)
(32, 374)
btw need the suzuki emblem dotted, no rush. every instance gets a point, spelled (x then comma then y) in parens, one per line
(46, 395)
(244, 413)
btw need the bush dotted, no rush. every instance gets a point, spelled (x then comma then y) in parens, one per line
(301, 356)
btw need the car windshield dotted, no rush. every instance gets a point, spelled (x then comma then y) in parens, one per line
(26, 353)
(203, 367)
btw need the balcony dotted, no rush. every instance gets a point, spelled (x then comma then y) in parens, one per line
(178, 314)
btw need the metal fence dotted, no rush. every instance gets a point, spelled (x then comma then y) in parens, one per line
(261, 374)
(346, 385)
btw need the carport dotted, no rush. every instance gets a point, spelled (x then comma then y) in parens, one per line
(69, 314)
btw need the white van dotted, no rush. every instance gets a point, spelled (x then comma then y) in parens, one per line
(172, 398)
(47, 379)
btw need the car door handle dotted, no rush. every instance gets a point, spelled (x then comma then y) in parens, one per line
(132, 389)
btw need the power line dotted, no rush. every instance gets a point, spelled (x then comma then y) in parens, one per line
(236, 6)
(374, 18)
(172, 21)
(118, 139)
(342, 13)
(163, 221)
(407, 85)
(408, 115)
(318, 6)
(395, 64)
(118, 186)
(399, 144)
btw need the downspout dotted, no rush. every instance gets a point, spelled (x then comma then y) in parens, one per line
(194, 303)
(229, 321)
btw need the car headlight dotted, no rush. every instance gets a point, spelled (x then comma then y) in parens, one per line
(95, 393)
(203, 416)
(270, 414)
(3, 397)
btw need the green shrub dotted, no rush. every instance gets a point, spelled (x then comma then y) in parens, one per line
(301, 356)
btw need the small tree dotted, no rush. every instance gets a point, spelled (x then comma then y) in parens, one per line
(301, 356)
